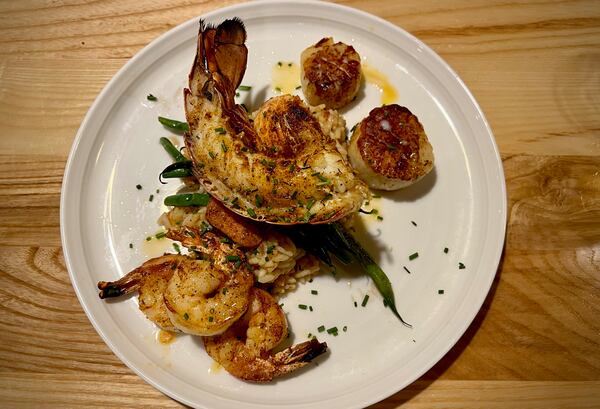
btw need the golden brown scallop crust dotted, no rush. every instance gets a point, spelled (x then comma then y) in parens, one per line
(331, 73)
(390, 142)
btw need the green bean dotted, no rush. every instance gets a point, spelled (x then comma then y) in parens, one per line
(188, 199)
(378, 276)
(177, 170)
(172, 150)
(174, 124)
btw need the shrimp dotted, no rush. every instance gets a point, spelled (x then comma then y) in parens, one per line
(207, 297)
(245, 349)
(150, 281)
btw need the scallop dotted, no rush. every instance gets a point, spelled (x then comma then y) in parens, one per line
(389, 149)
(331, 73)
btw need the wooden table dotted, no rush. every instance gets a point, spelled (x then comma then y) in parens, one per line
(533, 66)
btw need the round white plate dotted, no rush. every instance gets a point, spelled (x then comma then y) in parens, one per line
(461, 205)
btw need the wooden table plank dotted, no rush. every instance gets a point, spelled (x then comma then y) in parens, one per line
(532, 66)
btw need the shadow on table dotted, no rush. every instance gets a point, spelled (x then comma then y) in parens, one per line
(421, 384)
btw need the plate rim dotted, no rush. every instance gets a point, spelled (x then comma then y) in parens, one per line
(118, 77)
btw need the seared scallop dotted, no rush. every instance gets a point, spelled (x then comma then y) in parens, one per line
(330, 73)
(389, 148)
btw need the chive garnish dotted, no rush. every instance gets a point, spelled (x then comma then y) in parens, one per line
(130, 245)
(212, 155)
(289, 64)
(151, 198)
(177, 248)
(446, 250)
(376, 196)
(440, 291)
(279, 63)
(244, 88)
(302, 306)
(299, 86)
(310, 203)
(160, 235)
(278, 89)
(232, 258)
(365, 300)
(380, 218)
(225, 240)
(315, 292)
(310, 308)
(258, 200)
(148, 238)
(210, 319)
(413, 223)
(270, 248)
(406, 269)
(151, 97)
(332, 330)
(220, 130)
(413, 256)
(251, 212)
(321, 328)
(345, 328)
(138, 187)
(355, 304)
(186, 316)
(461, 266)
(223, 147)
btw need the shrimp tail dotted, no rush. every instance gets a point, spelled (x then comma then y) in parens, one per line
(300, 353)
(125, 285)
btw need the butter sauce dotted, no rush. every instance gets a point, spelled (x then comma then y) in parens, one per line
(389, 95)
(285, 77)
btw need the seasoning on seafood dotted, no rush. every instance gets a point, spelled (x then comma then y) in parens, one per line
(331, 73)
(245, 350)
(205, 297)
(150, 281)
(389, 148)
(286, 171)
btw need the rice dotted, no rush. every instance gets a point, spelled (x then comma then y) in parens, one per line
(305, 269)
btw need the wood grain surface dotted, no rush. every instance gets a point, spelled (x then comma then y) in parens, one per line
(533, 66)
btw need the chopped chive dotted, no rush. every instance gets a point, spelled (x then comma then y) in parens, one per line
(413, 223)
(220, 130)
(160, 235)
(289, 64)
(376, 196)
(151, 198)
(332, 330)
(279, 63)
(309, 335)
(148, 238)
(157, 191)
(413, 256)
(212, 155)
(365, 300)
(315, 292)
(270, 248)
(177, 248)
(237, 94)
(353, 128)
(446, 250)
(278, 89)
(440, 291)
(310, 203)
(130, 245)
(406, 269)
(258, 200)
(355, 304)
(186, 316)
(225, 240)
(302, 306)
(244, 88)
(224, 291)
(224, 147)
(151, 97)
(461, 266)
(251, 212)
(345, 328)
(232, 258)
(204, 227)
(210, 319)
(380, 218)
(138, 187)
(310, 308)
(299, 86)
(321, 328)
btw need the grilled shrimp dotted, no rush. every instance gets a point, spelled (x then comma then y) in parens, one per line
(282, 170)
(389, 148)
(244, 350)
(331, 73)
(150, 281)
(208, 296)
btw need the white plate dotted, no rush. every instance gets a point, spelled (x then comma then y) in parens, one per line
(461, 205)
